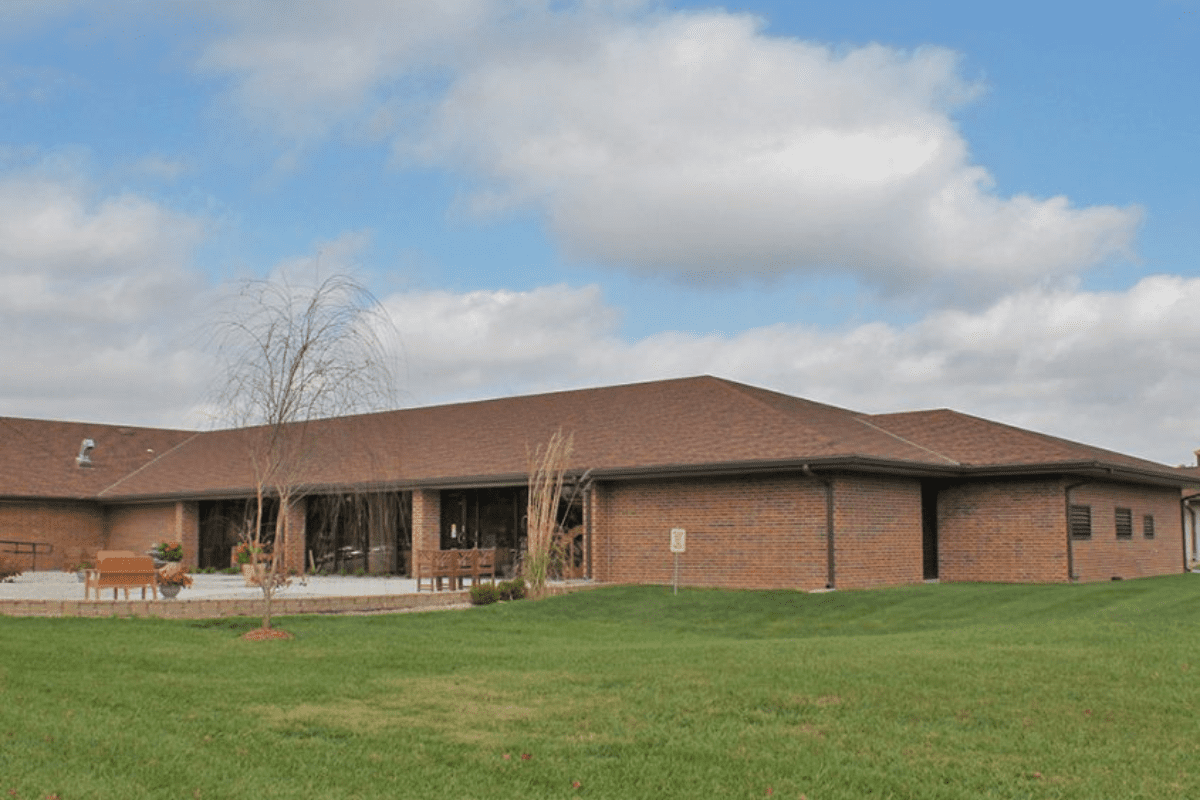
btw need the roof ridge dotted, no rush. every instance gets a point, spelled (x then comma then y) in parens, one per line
(149, 463)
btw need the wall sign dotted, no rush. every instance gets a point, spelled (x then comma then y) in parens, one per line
(678, 540)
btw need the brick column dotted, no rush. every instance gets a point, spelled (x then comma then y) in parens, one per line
(295, 536)
(426, 519)
(187, 531)
(599, 542)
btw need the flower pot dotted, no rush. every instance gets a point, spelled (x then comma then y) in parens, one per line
(169, 591)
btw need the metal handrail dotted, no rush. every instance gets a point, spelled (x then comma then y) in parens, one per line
(45, 548)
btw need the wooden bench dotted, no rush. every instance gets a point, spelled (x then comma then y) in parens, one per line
(454, 567)
(121, 572)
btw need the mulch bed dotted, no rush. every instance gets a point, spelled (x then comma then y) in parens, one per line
(263, 634)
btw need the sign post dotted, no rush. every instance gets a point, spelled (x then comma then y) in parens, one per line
(678, 545)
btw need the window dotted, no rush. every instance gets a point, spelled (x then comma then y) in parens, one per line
(1080, 522)
(1124, 523)
(1148, 526)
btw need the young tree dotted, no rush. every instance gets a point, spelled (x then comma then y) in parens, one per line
(292, 354)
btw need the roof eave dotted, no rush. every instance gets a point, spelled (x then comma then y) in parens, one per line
(1086, 469)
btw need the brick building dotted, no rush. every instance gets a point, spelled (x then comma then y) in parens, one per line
(773, 491)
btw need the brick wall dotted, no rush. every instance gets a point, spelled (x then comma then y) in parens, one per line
(1007, 531)
(74, 529)
(762, 532)
(1104, 556)
(1016, 531)
(138, 528)
(877, 531)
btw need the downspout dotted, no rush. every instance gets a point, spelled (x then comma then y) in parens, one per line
(830, 551)
(1188, 513)
(1071, 576)
(587, 528)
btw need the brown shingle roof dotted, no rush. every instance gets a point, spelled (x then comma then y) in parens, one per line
(37, 457)
(975, 442)
(662, 427)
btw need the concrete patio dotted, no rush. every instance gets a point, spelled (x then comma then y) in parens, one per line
(60, 594)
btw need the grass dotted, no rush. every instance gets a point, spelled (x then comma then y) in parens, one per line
(951, 691)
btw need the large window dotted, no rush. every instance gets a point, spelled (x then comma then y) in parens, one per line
(1124, 522)
(1081, 522)
(354, 533)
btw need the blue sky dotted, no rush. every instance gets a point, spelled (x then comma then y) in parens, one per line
(885, 206)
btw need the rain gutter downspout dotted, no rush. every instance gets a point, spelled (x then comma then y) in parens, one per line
(830, 552)
(1071, 576)
(1188, 512)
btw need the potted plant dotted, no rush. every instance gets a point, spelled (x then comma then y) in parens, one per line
(167, 552)
(80, 570)
(172, 578)
(248, 555)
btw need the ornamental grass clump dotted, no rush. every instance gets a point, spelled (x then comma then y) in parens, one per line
(547, 473)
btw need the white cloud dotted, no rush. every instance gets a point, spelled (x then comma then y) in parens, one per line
(696, 143)
(1113, 369)
(691, 143)
(97, 300)
(300, 73)
(456, 344)
(64, 253)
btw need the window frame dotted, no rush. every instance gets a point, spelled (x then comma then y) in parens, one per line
(1147, 526)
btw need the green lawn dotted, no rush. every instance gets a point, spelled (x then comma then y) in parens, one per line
(950, 691)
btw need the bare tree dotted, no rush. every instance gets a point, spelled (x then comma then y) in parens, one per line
(292, 354)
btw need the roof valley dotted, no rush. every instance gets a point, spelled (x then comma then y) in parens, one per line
(910, 442)
(150, 463)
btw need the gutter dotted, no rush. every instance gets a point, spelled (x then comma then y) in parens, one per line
(849, 463)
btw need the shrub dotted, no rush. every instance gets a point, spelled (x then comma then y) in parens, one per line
(511, 590)
(8, 569)
(484, 593)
